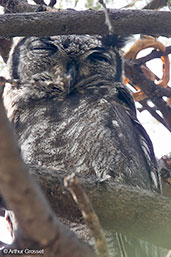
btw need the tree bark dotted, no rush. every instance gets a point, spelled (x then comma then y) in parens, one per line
(85, 22)
(154, 92)
(148, 218)
(155, 4)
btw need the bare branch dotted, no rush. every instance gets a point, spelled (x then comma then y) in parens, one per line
(165, 91)
(153, 112)
(154, 54)
(5, 46)
(156, 4)
(133, 72)
(148, 218)
(17, 6)
(52, 3)
(39, 2)
(80, 22)
(107, 19)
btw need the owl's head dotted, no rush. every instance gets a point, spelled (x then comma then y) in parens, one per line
(61, 64)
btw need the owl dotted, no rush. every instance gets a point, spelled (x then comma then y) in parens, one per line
(71, 112)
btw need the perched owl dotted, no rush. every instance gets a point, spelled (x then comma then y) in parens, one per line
(71, 112)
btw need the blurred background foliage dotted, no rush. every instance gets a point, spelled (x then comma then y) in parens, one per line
(94, 4)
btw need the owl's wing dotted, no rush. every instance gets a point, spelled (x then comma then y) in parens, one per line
(146, 144)
(132, 247)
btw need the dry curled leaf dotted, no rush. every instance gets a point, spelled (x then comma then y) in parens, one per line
(143, 43)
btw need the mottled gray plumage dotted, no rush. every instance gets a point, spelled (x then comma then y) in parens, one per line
(71, 111)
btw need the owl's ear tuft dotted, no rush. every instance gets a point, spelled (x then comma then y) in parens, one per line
(115, 40)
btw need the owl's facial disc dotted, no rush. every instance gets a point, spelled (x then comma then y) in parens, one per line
(55, 66)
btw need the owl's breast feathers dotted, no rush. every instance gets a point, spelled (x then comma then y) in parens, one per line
(91, 132)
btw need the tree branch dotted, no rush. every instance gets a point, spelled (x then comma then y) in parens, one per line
(165, 173)
(39, 2)
(148, 218)
(154, 54)
(21, 6)
(84, 22)
(153, 112)
(156, 4)
(134, 73)
(5, 46)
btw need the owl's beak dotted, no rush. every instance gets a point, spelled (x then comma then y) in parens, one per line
(64, 78)
(71, 74)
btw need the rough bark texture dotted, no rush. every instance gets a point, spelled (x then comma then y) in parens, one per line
(134, 73)
(155, 4)
(5, 46)
(85, 22)
(113, 206)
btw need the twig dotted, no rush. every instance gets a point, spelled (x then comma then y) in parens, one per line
(39, 2)
(52, 3)
(154, 54)
(13, 82)
(107, 18)
(133, 72)
(165, 91)
(153, 112)
(88, 213)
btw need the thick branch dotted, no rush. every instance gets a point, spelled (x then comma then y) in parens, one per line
(132, 211)
(36, 220)
(19, 6)
(85, 22)
(154, 54)
(5, 46)
(133, 72)
(39, 2)
(156, 4)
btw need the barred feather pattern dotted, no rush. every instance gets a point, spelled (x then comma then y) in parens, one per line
(85, 133)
